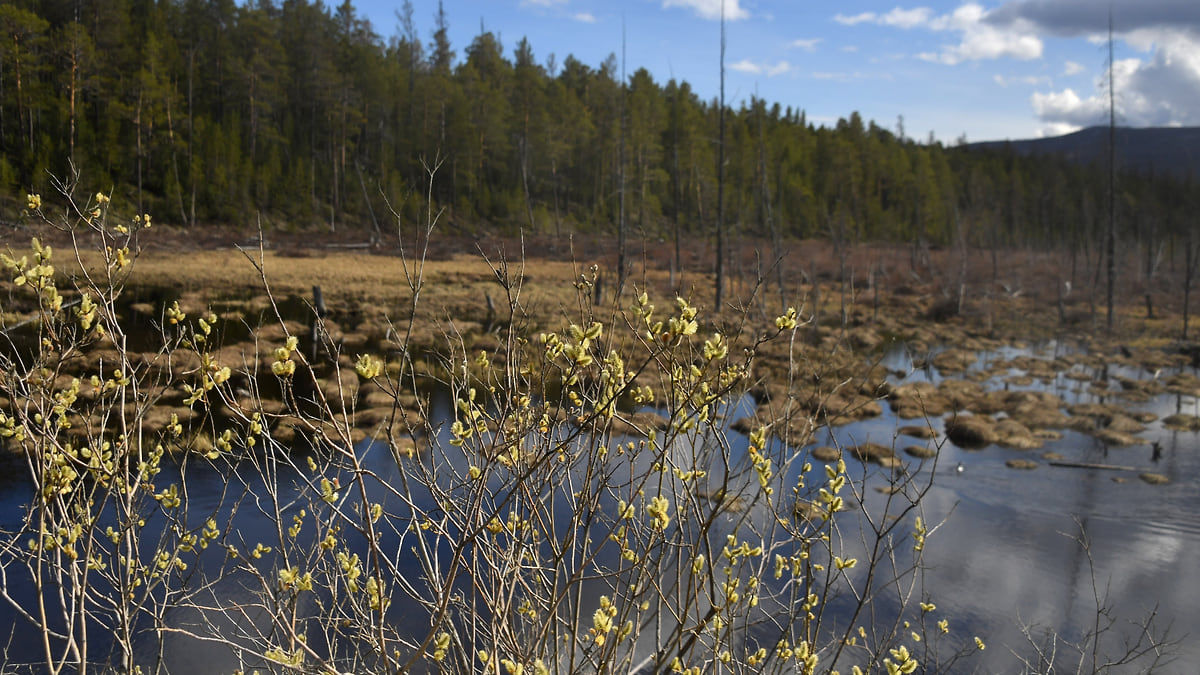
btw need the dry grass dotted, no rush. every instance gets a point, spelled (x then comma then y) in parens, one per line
(376, 285)
(884, 295)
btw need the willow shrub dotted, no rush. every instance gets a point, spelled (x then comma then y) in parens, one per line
(538, 525)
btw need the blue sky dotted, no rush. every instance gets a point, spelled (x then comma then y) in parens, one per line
(988, 70)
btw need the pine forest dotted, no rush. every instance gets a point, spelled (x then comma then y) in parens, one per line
(301, 115)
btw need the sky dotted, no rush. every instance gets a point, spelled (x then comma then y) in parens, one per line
(990, 70)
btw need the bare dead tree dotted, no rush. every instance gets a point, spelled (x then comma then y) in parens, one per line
(721, 175)
(767, 215)
(1111, 239)
(621, 225)
(1191, 253)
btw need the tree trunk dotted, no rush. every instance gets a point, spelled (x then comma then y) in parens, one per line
(721, 177)
(677, 267)
(1111, 245)
(253, 119)
(191, 219)
(554, 191)
(20, 98)
(71, 105)
(621, 225)
(138, 124)
(1190, 254)
(814, 278)
(175, 163)
(771, 226)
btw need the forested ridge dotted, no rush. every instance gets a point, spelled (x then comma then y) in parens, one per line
(303, 115)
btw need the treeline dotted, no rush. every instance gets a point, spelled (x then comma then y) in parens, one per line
(206, 111)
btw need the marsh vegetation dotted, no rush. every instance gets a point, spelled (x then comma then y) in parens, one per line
(423, 478)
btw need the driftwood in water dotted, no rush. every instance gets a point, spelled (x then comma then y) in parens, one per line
(318, 325)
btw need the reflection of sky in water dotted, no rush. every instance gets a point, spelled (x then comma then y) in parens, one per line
(1006, 555)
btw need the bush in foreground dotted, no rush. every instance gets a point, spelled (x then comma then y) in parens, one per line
(569, 502)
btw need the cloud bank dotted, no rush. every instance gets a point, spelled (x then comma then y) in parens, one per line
(1070, 18)
(978, 38)
(1161, 88)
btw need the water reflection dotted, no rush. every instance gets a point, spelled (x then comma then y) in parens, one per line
(1007, 562)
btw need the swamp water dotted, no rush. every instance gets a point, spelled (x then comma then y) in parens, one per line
(1004, 563)
(1007, 563)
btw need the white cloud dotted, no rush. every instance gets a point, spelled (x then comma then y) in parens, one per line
(746, 66)
(856, 19)
(979, 40)
(1057, 129)
(898, 18)
(849, 49)
(768, 69)
(584, 17)
(780, 68)
(807, 44)
(1072, 68)
(1150, 39)
(906, 18)
(542, 3)
(1067, 108)
(711, 9)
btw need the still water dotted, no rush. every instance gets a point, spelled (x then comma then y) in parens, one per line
(1005, 562)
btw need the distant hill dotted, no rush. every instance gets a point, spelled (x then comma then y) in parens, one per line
(1174, 150)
